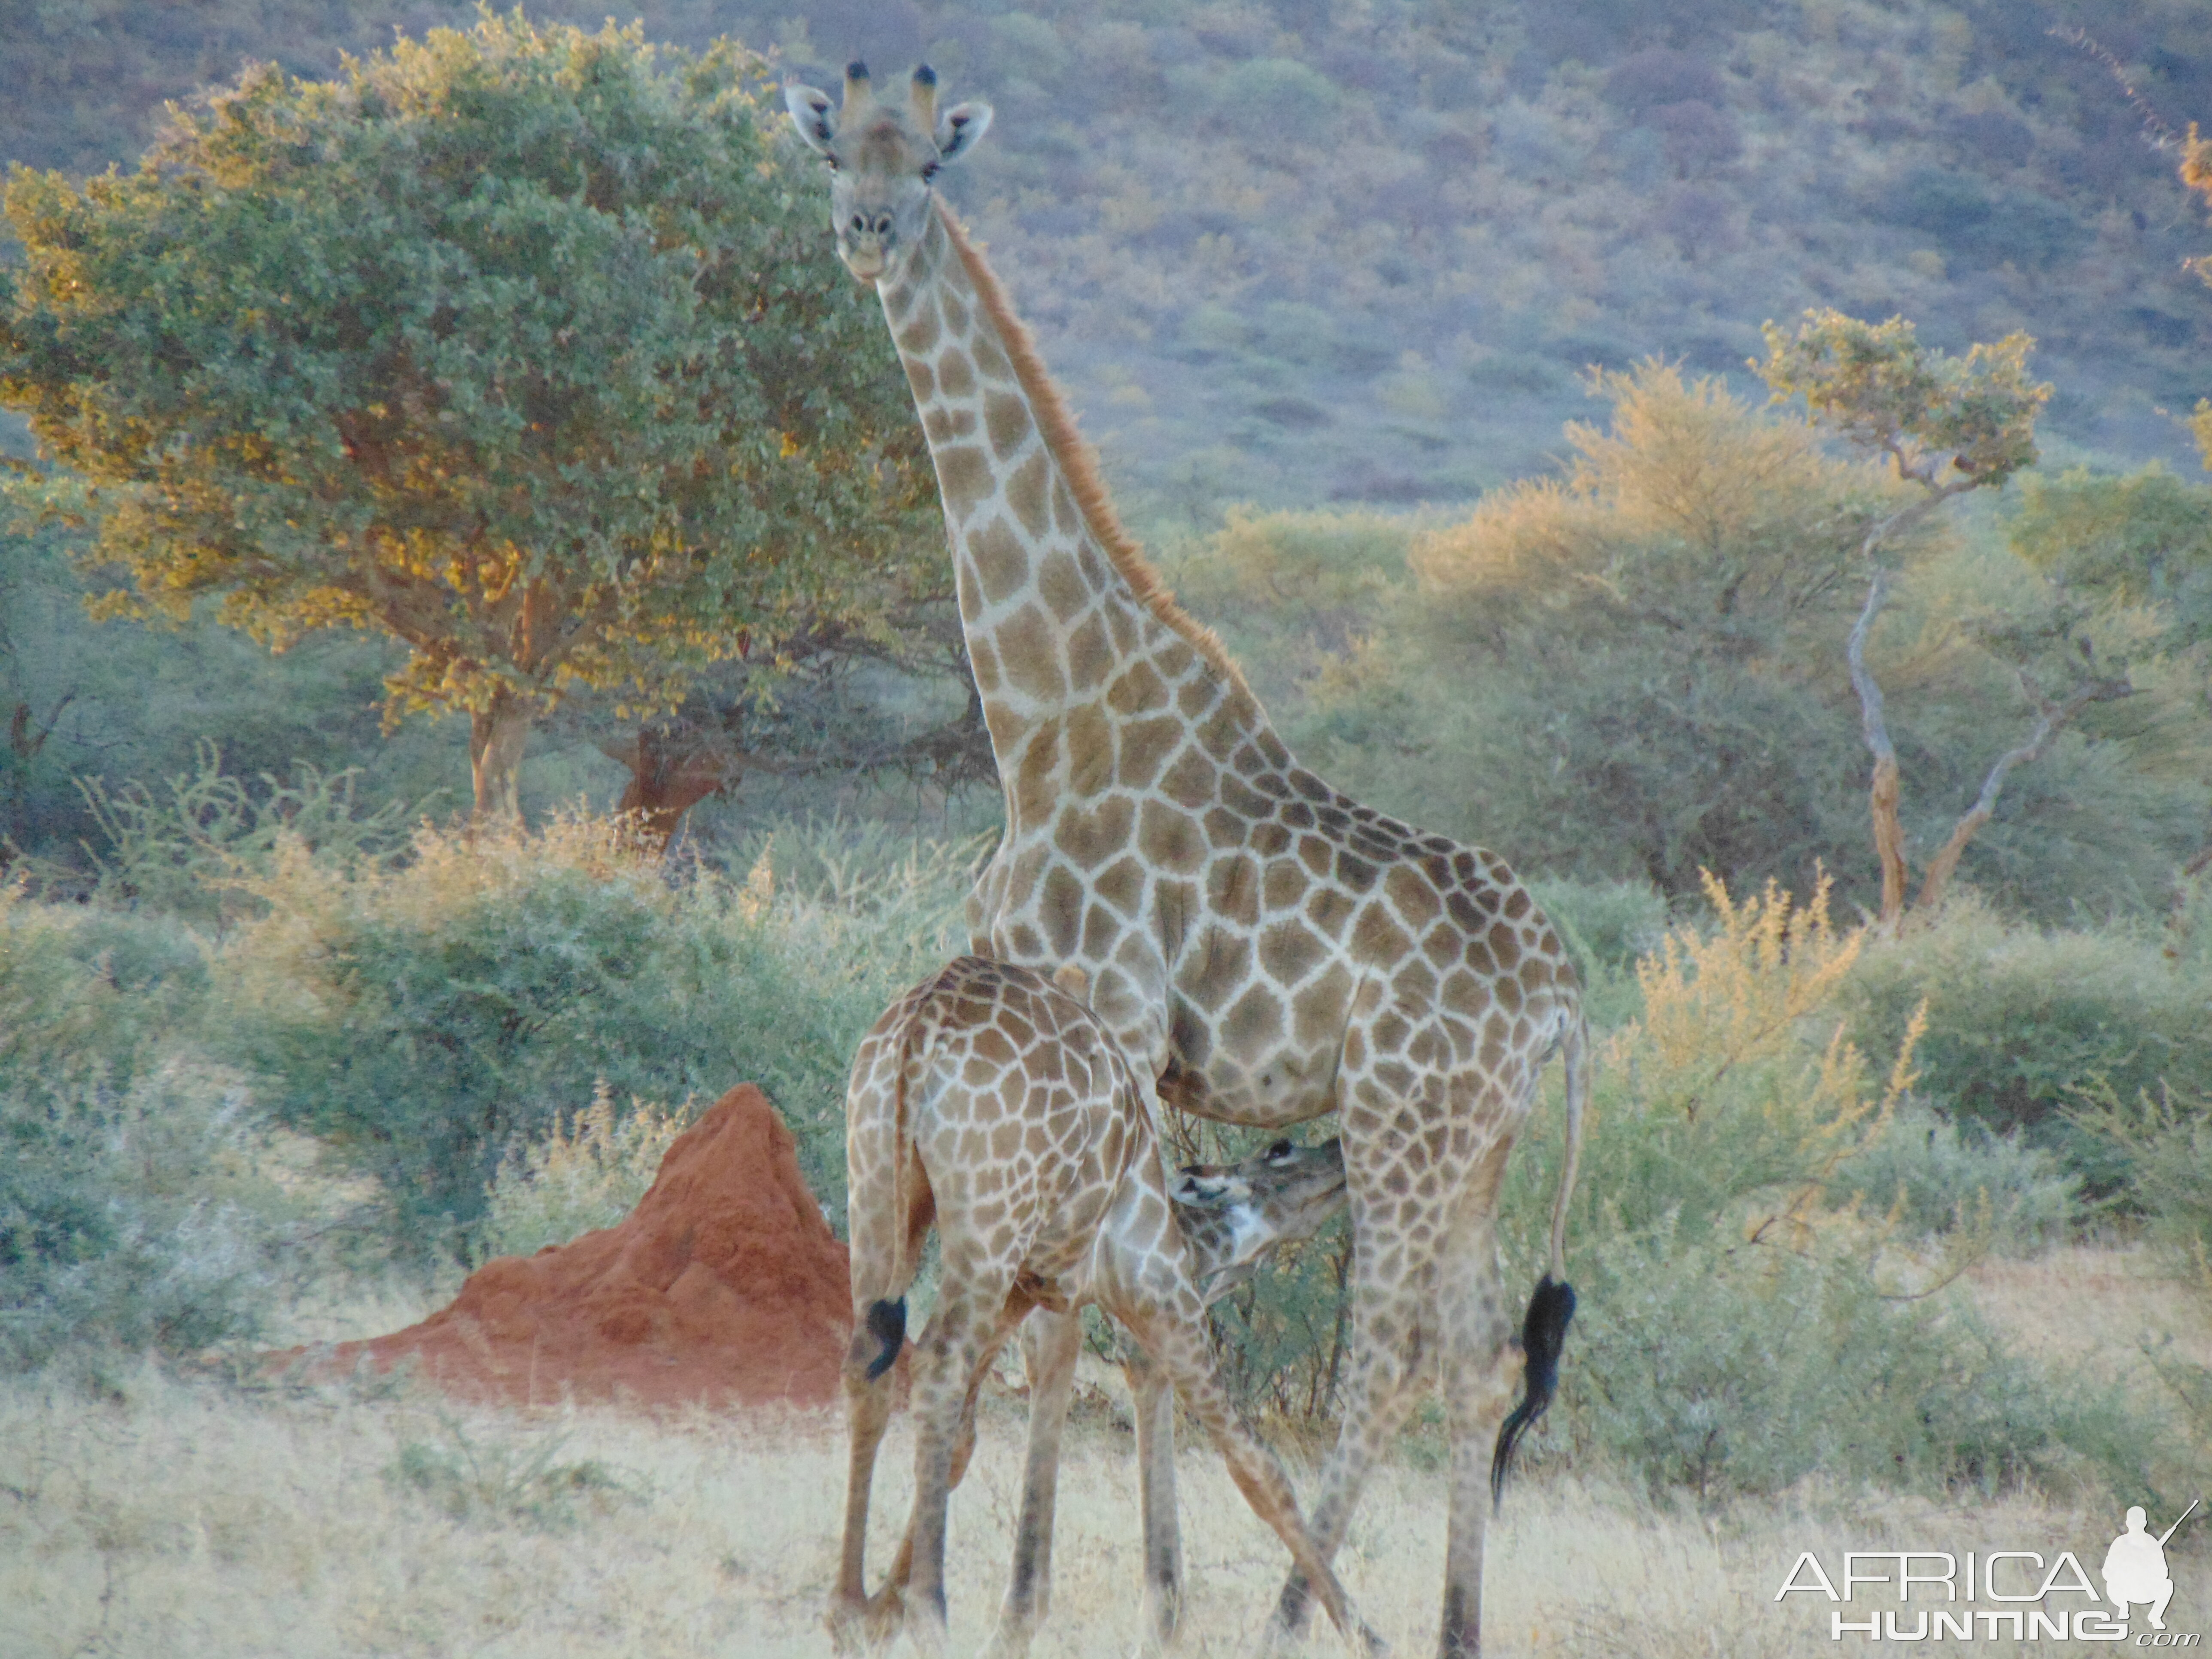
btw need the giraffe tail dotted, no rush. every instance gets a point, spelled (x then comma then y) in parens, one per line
(882, 1212)
(1544, 1327)
(1574, 1054)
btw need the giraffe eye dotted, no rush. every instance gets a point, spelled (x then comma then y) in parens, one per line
(1281, 1149)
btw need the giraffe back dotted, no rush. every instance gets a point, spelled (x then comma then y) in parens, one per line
(989, 1102)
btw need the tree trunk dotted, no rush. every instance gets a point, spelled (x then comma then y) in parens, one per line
(1882, 793)
(1888, 839)
(666, 782)
(496, 737)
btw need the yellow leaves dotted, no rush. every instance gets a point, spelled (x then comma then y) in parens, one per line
(759, 890)
(1737, 993)
(1682, 466)
(1741, 1042)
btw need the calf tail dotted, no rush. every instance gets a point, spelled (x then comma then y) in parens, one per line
(882, 1212)
(886, 1322)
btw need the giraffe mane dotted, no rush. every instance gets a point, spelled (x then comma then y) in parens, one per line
(1078, 461)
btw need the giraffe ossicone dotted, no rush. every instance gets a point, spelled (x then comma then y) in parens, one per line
(993, 1105)
(1264, 949)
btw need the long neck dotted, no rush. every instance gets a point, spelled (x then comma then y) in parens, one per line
(1070, 636)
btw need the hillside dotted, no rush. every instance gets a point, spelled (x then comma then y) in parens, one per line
(1298, 252)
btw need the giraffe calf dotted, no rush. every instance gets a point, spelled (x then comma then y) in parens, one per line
(991, 1104)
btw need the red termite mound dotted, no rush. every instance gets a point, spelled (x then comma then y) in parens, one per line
(724, 1286)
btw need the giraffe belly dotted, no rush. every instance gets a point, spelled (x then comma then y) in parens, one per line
(1278, 1089)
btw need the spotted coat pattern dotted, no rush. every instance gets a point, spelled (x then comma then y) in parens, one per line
(1265, 948)
(992, 1104)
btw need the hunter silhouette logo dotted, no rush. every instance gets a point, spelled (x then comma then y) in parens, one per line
(2031, 1598)
(2135, 1567)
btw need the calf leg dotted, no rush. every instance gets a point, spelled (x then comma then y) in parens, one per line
(867, 1409)
(1153, 1396)
(1178, 1344)
(962, 1335)
(1050, 1345)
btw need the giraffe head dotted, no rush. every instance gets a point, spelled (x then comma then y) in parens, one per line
(882, 153)
(1233, 1214)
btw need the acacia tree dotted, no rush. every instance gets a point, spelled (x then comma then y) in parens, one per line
(1673, 605)
(1947, 425)
(517, 344)
(797, 709)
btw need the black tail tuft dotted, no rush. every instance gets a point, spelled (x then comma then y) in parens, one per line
(1543, 1332)
(887, 1324)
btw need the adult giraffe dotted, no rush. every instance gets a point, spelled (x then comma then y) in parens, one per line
(1266, 949)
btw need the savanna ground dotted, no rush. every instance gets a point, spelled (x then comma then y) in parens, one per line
(185, 1516)
(1821, 1309)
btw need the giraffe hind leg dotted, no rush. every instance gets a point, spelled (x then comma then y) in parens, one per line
(1050, 1345)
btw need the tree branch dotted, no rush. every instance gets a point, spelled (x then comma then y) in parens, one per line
(2056, 717)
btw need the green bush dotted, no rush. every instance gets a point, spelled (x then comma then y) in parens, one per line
(584, 1175)
(2166, 1146)
(120, 1169)
(1926, 1175)
(424, 1020)
(2021, 1021)
(1702, 1373)
(130, 1221)
(86, 996)
(1756, 1303)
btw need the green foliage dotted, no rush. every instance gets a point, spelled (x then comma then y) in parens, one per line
(120, 1223)
(1282, 1339)
(424, 1020)
(2022, 1022)
(1637, 665)
(2141, 540)
(487, 1481)
(111, 702)
(194, 855)
(131, 1216)
(1927, 1176)
(1926, 410)
(1709, 1377)
(2166, 1142)
(587, 1174)
(512, 344)
(1754, 1308)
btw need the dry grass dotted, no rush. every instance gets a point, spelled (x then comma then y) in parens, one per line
(2096, 1306)
(188, 1518)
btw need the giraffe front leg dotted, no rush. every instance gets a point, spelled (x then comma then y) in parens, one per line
(1384, 1371)
(1050, 1345)
(1177, 1339)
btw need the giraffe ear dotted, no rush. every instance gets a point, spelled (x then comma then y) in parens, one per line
(813, 114)
(960, 129)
